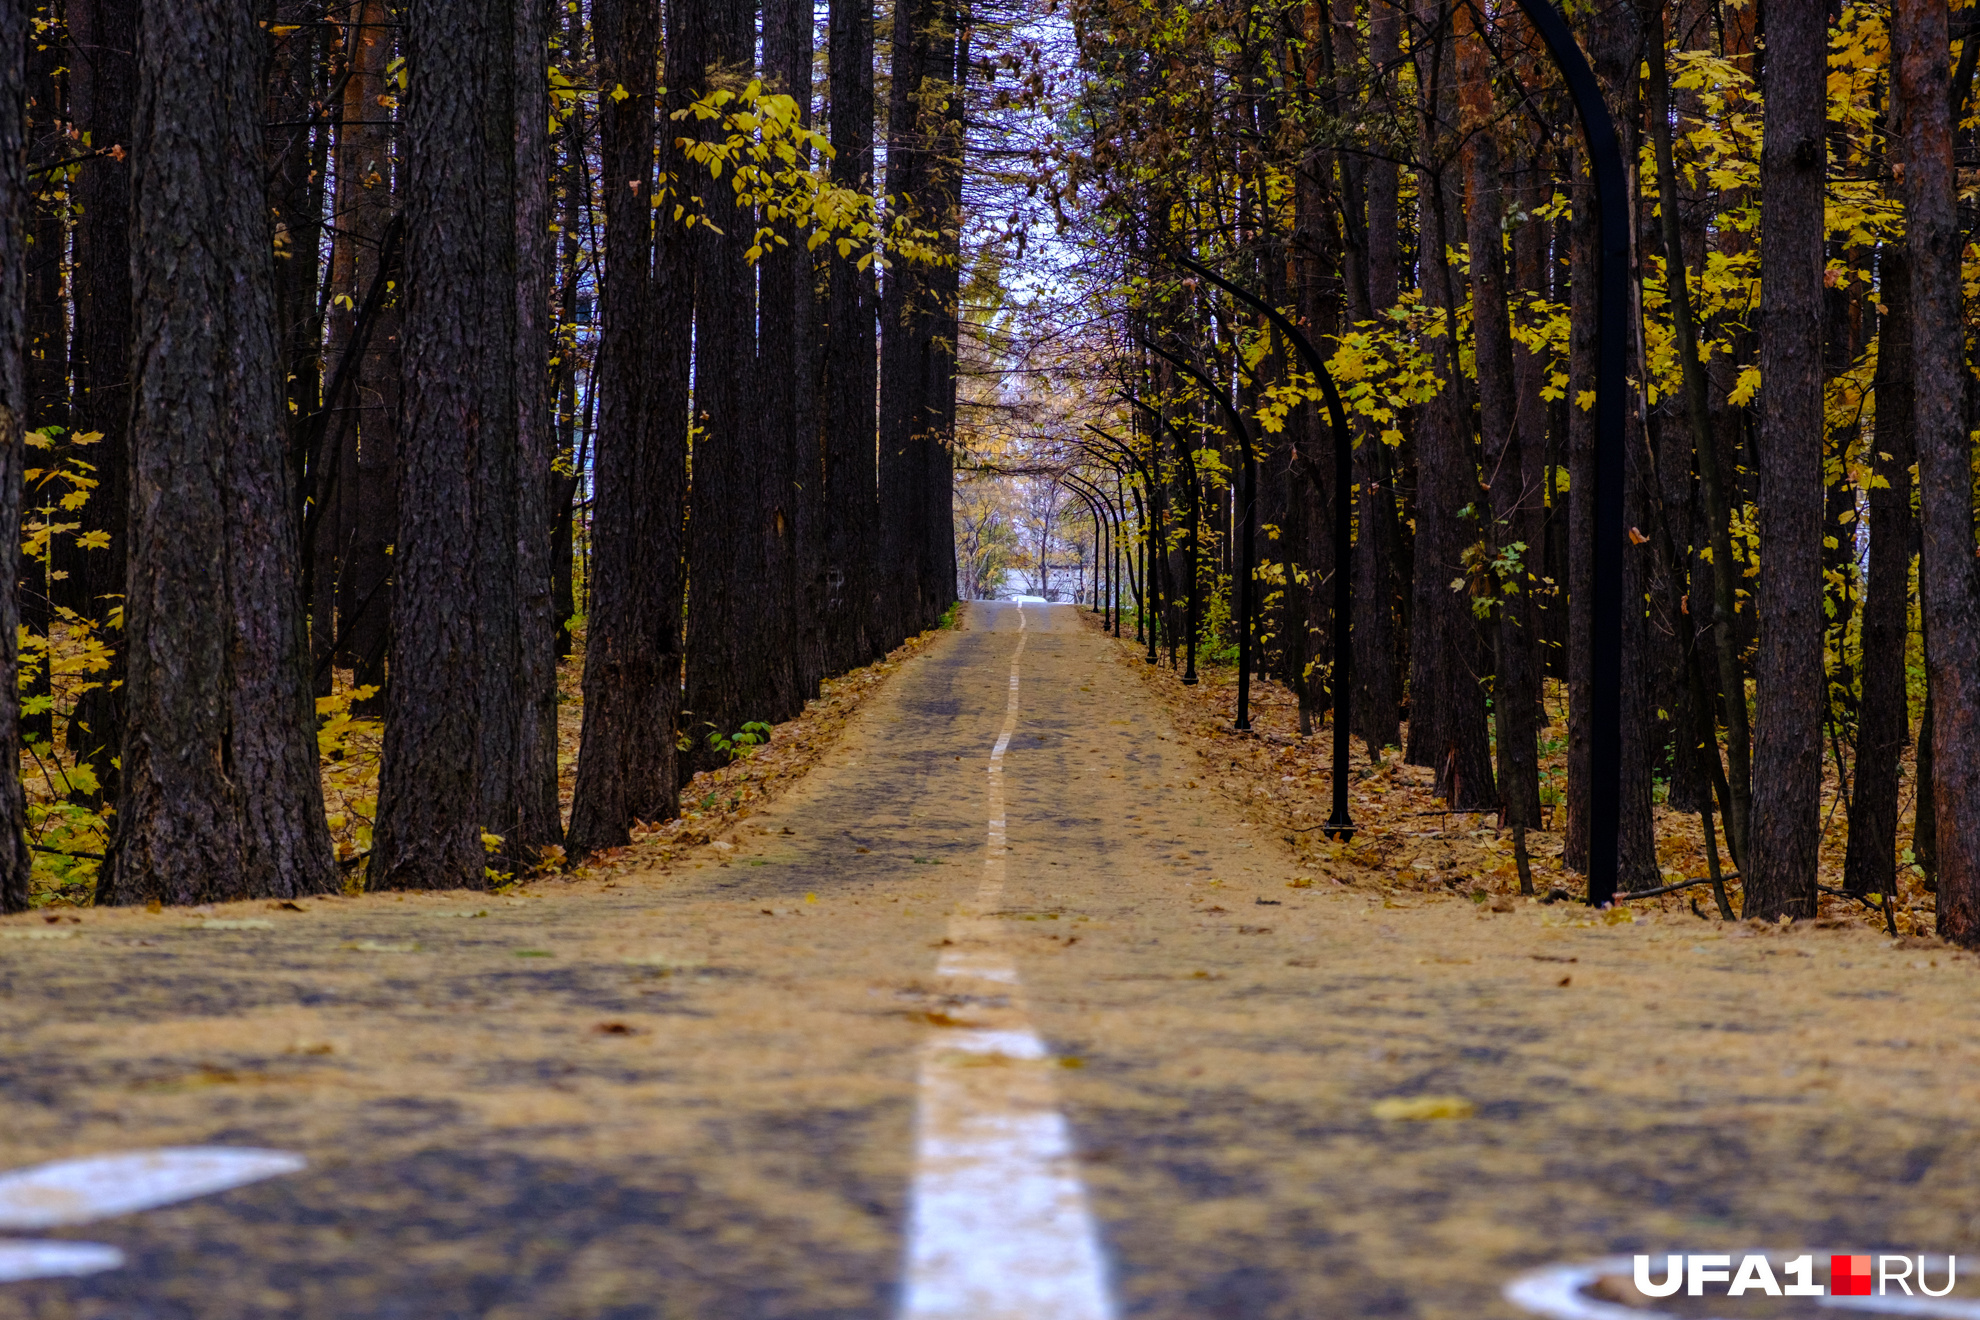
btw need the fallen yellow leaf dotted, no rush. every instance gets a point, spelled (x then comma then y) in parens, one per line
(1421, 1108)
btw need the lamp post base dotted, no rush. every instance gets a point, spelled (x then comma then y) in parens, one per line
(1339, 828)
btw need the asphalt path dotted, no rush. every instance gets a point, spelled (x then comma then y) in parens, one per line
(704, 1091)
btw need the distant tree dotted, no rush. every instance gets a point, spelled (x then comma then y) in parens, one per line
(14, 861)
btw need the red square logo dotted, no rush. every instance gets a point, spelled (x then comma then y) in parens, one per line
(1849, 1276)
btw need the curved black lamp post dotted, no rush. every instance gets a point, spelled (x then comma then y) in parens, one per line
(1605, 606)
(1143, 577)
(1103, 531)
(1247, 535)
(1339, 825)
(1192, 606)
(1115, 457)
(1605, 162)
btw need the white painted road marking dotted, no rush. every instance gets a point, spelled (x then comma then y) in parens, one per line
(999, 1227)
(55, 1260)
(70, 1192)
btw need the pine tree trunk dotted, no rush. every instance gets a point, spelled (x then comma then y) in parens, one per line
(1532, 240)
(906, 325)
(1516, 682)
(103, 91)
(1789, 686)
(535, 821)
(1584, 260)
(317, 452)
(458, 442)
(1949, 576)
(785, 365)
(846, 398)
(576, 184)
(787, 361)
(1448, 658)
(219, 796)
(1378, 573)
(1883, 722)
(47, 366)
(950, 56)
(14, 212)
(738, 665)
(626, 759)
(369, 409)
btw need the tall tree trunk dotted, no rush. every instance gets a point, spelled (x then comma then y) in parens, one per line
(1583, 273)
(1532, 239)
(1724, 635)
(1883, 722)
(458, 442)
(950, 56)
(1379, 577)
(47, 362)
(219, 796)
(1948, 574)
(103, 91)
(626, 760)
(846, 399)
(906, 326)
(317, 452)
(15, 208)
(787, 361)
(368, 413)
(1426, 587)
(781, 349)
(533, 821)
(1516, 683)
(1447, 656)
(576, 187)
(847, 395)
(1790, 691)
(738, 663)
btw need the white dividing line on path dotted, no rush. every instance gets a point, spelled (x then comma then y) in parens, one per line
(70, 1192)
(998, 1226)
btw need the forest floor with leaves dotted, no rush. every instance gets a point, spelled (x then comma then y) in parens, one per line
(69, 828)
(1406, 842)
(684, 1083)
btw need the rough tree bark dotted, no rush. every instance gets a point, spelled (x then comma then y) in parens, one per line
(787, 362)
(364, 212)
(1723, 634)
(1584, 258)
(1949, 575)
(534, 820)
(103, 91)
(1883, 721)
(1447, 659)
(626, 761)
(906, 326)
(1378, 661)
(1789, 688)
(14, 210)
(950, 56)
(738, 664)
(459, 435)
(1516, 682)
(47, 361)
(846, 400)
(219, 796)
